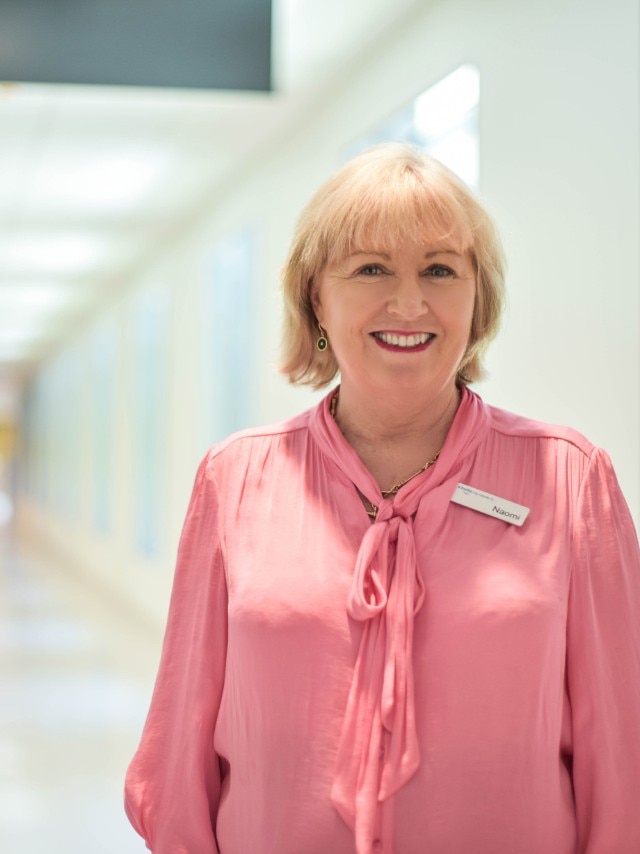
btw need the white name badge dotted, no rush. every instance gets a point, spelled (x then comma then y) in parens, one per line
(508, 511)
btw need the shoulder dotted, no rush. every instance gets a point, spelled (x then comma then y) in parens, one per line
(518, 427)
(547, 465)
(258, 441)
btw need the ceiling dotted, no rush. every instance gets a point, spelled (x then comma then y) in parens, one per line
(92, 177)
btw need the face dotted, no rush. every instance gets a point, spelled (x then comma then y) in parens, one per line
(398, 317)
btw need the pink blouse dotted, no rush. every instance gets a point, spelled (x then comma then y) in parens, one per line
(438, 681)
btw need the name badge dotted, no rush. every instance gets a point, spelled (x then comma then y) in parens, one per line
(483, 502)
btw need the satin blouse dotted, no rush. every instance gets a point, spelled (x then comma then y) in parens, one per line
(439, 680)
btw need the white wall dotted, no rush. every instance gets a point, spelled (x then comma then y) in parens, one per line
(559, 168)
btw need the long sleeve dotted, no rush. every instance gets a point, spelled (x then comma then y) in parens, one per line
(173, 783)
(603, 666)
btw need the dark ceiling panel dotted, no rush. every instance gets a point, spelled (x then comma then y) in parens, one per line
(210, 44)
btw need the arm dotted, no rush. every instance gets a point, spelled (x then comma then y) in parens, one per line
(173, 783)
(603, 666)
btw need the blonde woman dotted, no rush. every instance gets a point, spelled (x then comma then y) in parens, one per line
(403, 621)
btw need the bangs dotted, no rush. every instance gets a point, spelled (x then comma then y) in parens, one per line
(410, 220)
(380, 214)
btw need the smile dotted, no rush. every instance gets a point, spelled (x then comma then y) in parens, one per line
(404, 342)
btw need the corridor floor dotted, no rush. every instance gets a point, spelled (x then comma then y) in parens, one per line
(75, 678)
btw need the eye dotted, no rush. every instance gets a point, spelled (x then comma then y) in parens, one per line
(370, 270)
(439, 271)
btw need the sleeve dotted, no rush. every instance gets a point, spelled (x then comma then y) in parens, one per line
(172, 786)
(603, 666)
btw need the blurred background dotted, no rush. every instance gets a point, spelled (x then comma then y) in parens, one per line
(152, 165)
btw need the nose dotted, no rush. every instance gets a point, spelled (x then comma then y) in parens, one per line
(407, 299)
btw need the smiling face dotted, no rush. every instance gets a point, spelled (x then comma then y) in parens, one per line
(398, 318)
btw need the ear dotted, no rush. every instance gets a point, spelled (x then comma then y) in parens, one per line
(314, 294)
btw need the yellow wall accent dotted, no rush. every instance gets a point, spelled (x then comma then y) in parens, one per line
(8, 433)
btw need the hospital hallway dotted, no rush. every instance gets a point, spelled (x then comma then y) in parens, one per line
(161, 262)
(76, 673)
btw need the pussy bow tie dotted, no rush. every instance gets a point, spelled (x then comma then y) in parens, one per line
(378, 750)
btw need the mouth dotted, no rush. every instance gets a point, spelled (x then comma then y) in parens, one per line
(403, 342)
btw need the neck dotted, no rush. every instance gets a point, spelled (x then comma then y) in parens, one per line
(394, 437)
(392, 420)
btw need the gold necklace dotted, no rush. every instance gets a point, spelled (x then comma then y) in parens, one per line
(387, 492)
(371, 509)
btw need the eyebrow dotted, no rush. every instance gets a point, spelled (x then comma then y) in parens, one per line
(444, 251)
(441, 251)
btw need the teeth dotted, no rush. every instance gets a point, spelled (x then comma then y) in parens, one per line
(404, 340)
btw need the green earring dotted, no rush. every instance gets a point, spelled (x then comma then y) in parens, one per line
(322, 342)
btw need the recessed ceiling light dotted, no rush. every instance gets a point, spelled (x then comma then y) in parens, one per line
(15, 351)
(68, 253)
(19, 335)
(106, 181)
(39, 296)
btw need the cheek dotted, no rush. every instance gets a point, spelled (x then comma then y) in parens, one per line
(465, 308)
(346, 311)
(455, 312)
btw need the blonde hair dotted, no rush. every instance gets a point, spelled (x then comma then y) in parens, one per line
(390, 193)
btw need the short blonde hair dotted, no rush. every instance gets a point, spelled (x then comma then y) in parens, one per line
(390, 193)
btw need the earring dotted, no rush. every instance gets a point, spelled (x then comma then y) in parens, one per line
(322, 342)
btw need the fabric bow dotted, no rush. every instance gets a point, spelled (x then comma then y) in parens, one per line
(378, 750)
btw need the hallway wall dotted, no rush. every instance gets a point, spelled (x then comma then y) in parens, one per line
(559, 169)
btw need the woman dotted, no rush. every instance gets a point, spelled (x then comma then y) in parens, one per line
(403, 621)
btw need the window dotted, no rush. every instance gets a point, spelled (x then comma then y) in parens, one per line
(443, 120)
